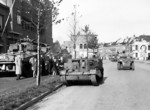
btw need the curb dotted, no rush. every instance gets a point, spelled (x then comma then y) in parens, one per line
(36, 99)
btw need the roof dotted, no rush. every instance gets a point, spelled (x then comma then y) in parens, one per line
(144, 37)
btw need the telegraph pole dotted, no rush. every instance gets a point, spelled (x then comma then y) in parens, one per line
(74, 31)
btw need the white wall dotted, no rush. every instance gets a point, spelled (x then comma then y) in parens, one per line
(141, 51)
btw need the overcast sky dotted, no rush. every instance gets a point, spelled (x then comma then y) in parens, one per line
(110, 19)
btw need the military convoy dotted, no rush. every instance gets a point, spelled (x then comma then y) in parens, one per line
(82, 70)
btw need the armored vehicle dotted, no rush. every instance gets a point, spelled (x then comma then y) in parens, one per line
(82, 70)
(26, 48)
(125, 62)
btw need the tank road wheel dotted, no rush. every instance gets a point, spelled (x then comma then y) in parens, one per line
(95, 80)
(132, 66)
(118, 66)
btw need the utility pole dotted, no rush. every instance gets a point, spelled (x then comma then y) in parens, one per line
(87, 38)
(74, 30)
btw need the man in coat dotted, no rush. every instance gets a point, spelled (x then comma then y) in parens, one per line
(18, 63)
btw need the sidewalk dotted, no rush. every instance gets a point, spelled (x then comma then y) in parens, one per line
(140, 61)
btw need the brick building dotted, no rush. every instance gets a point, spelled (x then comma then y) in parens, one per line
(22, 22)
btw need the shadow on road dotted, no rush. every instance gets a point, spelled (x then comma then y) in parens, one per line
(102, 82)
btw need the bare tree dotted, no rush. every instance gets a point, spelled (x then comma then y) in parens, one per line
(93, 42)
(42, 16)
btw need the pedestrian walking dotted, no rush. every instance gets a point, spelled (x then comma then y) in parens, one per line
(18, 63)
(33, 62)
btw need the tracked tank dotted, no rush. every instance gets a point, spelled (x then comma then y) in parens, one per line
(27, 49)
(83, 71)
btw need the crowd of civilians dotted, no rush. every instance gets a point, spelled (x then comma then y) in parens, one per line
(48, 64)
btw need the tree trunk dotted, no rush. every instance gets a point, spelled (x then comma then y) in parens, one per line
(87, 46)
(38, 51)
(74, 51)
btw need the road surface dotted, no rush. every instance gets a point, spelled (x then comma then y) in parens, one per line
(122, 90)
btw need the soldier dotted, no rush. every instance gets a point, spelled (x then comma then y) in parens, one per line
(50, 64)
(61, 63)
(42, 64)
(33, 63)
(18, 63)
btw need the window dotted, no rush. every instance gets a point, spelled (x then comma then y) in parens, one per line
(27, 25)
(80, 46)
(1, 22)
(23, 24)
(85, 46)
(136, 47)
(148, 47)
(136, 54)
(18, 19)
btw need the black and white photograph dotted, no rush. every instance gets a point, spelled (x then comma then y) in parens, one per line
(74, 54)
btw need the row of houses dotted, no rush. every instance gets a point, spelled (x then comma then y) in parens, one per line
(137, 46)
(18, 19)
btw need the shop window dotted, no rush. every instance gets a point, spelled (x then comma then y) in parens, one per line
(1, 22)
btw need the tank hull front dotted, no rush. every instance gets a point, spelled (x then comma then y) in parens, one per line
(80, 78)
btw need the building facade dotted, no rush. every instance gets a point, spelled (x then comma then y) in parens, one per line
(141, 49)
(22, 23)
(80, 49)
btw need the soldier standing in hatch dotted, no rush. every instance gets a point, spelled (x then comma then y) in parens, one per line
(18, 63)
